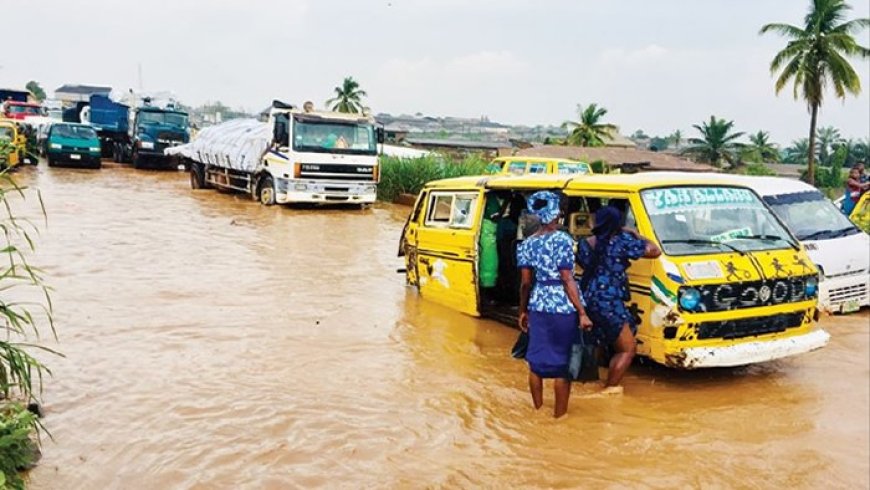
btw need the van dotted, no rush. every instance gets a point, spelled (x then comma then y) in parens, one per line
(861, 213)
(73, 144)
(835, 245)
(733, 286)
(12, 144)
(537, 165)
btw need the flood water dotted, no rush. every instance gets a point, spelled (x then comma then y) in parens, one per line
(214, 343)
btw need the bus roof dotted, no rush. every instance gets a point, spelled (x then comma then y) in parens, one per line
(624, 182)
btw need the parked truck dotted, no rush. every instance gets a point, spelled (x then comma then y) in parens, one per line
(133, 134)
(297, 156)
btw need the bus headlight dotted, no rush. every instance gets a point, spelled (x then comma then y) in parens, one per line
(55, 146)
(811, 287)
(146, 145)
(690, 298)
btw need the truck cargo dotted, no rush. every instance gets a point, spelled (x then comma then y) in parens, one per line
(297, 156)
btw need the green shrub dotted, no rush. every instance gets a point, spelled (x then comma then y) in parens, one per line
(17, 429)
(758, 169)
(409, 175)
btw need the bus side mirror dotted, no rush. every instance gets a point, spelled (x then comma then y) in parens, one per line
(380, 134)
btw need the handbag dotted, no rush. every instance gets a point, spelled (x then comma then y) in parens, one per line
(582, 365)
(521, 346)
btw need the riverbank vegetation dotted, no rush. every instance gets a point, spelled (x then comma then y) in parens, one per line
(408, 175)
(25, 310)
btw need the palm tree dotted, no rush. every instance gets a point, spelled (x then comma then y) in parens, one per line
(717, 143)
(827, 138)
(589, 130)
(348, 97)
(761, 147)
(815, 57)
(797, 152)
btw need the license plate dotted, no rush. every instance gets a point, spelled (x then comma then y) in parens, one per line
(75, 157)
(850, 306)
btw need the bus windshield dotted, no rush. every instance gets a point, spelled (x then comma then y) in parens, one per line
(704, 220)
(811, 216)
(73, 132)
(334, 137)
(6, 133)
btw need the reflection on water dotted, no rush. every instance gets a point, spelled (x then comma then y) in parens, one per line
(213, 342)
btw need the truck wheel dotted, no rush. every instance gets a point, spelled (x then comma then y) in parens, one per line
(266, 191)
(197, 176)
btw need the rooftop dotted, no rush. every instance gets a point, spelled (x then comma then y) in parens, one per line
(83, 89)
(456, 143)
(617, 157)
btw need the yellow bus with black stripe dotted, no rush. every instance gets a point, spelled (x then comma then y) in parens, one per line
(732, 287)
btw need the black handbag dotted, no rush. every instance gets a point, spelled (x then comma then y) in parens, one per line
(582, 366)
(521, 346)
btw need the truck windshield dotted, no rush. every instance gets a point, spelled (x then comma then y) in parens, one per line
(811, 216)
(23, 109)
(73, 132)
(176, 119)
(334, 137)
(705, 220)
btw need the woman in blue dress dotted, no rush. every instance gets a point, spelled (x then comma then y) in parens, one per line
(550, 306)
(605, 258)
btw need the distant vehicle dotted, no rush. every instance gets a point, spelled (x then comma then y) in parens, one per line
(42, 137)
(14, 95)
(135, 135)
(73, 144)
(13, 144)
(861, 214)
(837, 247)
(20, 110)
(295, 157)
(537, 165)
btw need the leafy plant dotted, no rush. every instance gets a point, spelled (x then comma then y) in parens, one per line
(760, 148)
(589, 130)
(17, 448)
(409, 175)
(35, 90)
(815, 57)
(759, 169)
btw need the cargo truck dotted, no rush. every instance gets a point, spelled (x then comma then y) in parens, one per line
(297, 156)
(133, 134)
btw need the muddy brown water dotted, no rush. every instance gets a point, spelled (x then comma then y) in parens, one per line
(215, 343)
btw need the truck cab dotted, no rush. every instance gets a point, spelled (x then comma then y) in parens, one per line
(320, 157)
(151, 131)
(21, 110)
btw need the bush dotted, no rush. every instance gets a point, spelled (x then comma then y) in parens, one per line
(17, 426)
(758, 169)
(409, 175)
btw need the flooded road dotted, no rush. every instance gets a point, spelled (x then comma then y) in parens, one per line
(215, 343)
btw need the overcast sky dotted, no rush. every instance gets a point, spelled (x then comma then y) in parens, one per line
(659, 66)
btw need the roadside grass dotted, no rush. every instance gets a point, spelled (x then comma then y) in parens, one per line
(409, 175)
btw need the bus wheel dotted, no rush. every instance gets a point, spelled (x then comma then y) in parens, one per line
(266, 191)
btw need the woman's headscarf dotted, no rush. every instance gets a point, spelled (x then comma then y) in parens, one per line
(544, 205)
(608, 222)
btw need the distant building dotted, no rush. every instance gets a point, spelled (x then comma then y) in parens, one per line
(79, 93)
(628, 160)
(459, 148)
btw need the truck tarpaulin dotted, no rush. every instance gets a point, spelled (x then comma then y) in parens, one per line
(238, 144)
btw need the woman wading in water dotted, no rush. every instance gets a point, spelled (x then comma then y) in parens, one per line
(550, 306)
(605, 258)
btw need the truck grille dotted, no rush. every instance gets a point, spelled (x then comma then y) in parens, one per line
(735, 329)
(337, 172)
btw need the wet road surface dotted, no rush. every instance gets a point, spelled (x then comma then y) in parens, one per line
(215, 343)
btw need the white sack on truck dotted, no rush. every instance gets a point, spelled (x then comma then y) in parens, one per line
(238, 144)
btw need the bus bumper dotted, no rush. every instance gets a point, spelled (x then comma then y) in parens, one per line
(747, 352)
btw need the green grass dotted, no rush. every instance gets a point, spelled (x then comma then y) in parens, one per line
(409, 175)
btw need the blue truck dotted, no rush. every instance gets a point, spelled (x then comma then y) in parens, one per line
(136, 135)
